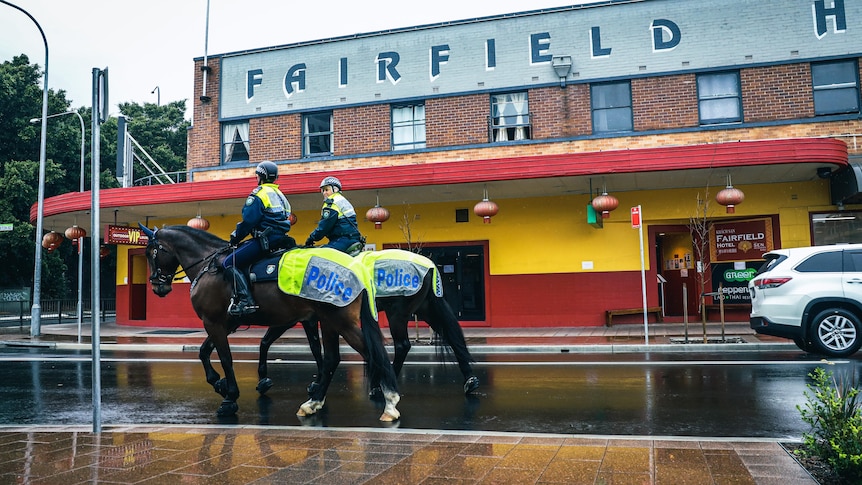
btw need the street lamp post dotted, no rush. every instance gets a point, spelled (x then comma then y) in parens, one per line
(36, 310)
(81, 239)
(158, 93)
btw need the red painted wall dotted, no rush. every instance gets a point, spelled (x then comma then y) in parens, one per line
(567, 299)
(549, 300)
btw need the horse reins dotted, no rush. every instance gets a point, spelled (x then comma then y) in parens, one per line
(163, 278)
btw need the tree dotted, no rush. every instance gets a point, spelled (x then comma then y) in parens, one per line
(699, 226)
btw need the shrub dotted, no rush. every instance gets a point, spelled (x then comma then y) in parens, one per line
(834, 411)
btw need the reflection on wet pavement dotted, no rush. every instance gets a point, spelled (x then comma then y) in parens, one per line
(245, 455)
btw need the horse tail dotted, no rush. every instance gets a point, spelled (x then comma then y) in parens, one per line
(377, 361)
(447, 327)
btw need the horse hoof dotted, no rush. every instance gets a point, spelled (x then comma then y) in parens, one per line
(471, 384)
(227, 408)
(310, 407)
(388, 418)
(264, 385)
(220, 387)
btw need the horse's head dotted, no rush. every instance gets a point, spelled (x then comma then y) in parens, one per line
(163, 263)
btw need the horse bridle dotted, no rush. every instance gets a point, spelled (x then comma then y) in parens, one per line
(162, 278)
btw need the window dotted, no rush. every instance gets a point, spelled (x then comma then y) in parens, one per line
(836, 87)
(829, 262)
(510, 117)
(836, 228)
(317, 134)
(234, 142)
(612, 107)
(718, 98)
(408, 127)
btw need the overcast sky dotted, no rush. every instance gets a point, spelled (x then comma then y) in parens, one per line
(153, 43)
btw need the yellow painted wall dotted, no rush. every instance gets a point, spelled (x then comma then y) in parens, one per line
(551, 235)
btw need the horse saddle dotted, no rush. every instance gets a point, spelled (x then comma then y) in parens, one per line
(266, 269)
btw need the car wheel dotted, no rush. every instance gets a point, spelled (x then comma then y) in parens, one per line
(836, 332)
(805, 345)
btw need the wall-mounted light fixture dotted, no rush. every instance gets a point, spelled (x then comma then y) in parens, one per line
(562, 67)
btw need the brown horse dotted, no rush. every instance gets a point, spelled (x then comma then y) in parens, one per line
(200, 253)
(426, 303)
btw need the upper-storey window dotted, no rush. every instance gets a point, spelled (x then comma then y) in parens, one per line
(510, 117)
(317, 134)
(836, 87)
(718, 98)
(408, 127)
(612, 107)
(235, 147)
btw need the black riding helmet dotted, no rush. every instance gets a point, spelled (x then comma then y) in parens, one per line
(266, 172)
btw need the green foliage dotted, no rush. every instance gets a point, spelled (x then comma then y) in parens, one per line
(834, 412)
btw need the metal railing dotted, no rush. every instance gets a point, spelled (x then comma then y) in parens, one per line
(53, 311)
(174, 177)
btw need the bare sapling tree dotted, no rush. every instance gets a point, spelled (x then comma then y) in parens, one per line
(699, 227)
(413, 242)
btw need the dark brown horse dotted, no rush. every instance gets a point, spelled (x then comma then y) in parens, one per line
(426, 304)
(200, 253)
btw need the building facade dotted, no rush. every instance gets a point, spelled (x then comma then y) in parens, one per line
(660, 104)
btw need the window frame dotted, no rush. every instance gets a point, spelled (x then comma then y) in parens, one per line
(710, 98)
(505, 127)
(236, 129)
(595, 109)
(821, 91)
(835, 227)
(415, 126)
(308, 137)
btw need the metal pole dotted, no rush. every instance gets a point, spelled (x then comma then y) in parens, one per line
(94, 248)
(643, 275)
(36, 310)
(81, 239)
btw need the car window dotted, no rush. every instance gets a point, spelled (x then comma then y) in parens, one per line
(853, 261)
(830, 262)
(771, 261)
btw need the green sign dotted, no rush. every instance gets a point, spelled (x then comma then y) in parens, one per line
(6, 227)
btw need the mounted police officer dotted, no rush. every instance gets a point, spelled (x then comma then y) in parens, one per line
(265, 216)
(337, 220)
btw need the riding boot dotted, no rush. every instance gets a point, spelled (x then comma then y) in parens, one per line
(242, 304)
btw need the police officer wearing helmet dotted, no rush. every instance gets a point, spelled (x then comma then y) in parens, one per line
(265, 216)
(337, 220)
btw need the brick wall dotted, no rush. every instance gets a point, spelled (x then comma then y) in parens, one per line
(666, 102)
(773, 93)
(777, 93)
(459, 120)
(364, 129)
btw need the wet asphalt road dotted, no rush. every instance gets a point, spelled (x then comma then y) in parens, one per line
(701, 395)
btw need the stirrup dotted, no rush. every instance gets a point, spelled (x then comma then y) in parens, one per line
(355, 248)
(241, 309)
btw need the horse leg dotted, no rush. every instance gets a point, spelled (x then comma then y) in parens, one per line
(313, 336)
(400, 339)
(331, 359)
(442, 320)
(228, 406)
(272, 334)
(369, 343)
(213, 377)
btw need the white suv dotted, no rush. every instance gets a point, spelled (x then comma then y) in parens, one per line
(812, 295)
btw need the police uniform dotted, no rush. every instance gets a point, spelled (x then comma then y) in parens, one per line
(265, 216)
(338, 223)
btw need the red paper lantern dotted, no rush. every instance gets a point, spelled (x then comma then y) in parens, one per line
(378, 215)
(605, 204)
(51, 240)
(74, 233)
(486, 209)
(291, 218)
(199, 223)
(730, 196)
